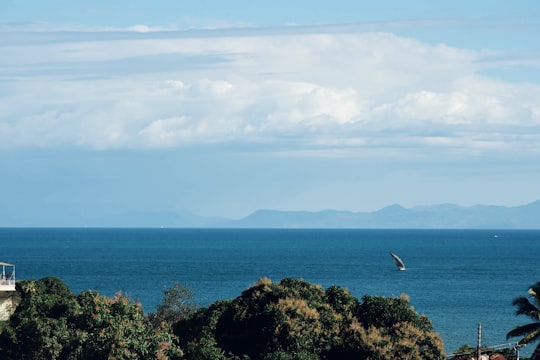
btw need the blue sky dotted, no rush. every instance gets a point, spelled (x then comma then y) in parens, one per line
(222, 108)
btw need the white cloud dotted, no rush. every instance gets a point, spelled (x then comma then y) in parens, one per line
(350, 90)
(169, 132)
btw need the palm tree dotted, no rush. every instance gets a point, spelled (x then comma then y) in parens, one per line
(529, 332)
(30, 287)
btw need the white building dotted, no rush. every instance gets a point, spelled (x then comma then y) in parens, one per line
(7, 290)
(7, 279)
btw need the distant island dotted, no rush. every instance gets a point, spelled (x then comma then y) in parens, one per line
(442, 216)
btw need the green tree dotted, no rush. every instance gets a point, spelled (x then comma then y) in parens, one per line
(197, 333)
(294, 319)
(115, 328)
(52, 323)
(290, 317)
(39, 327)
(389, 328)
(27, 287)
(383, 312)
(177, 304)
(529, 333)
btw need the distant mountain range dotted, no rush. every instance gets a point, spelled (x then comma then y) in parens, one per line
(448, 216)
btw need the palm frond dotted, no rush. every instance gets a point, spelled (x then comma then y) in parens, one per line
(524, 307)
(534, 292)
(536, 353)
(530, 332)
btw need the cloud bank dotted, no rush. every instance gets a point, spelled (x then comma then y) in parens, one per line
(293, 90)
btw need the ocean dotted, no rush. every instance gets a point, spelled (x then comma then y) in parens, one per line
(458, 278)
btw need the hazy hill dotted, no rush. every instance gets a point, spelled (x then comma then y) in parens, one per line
(394, 216)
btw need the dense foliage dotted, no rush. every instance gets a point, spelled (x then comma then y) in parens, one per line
(52, 323)
(289, 320)
(292, 319)
(177, 304)
(298, 320)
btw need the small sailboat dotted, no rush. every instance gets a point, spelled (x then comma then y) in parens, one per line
(397, 260)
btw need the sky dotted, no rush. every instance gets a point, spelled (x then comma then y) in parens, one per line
(221, 108)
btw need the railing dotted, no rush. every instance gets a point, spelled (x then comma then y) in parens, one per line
(7, 278)
(7, 285)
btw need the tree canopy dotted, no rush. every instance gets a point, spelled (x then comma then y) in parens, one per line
(294, 319)
(289, 320)
(52, 323)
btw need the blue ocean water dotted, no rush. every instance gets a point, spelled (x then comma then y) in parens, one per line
(458, 278)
